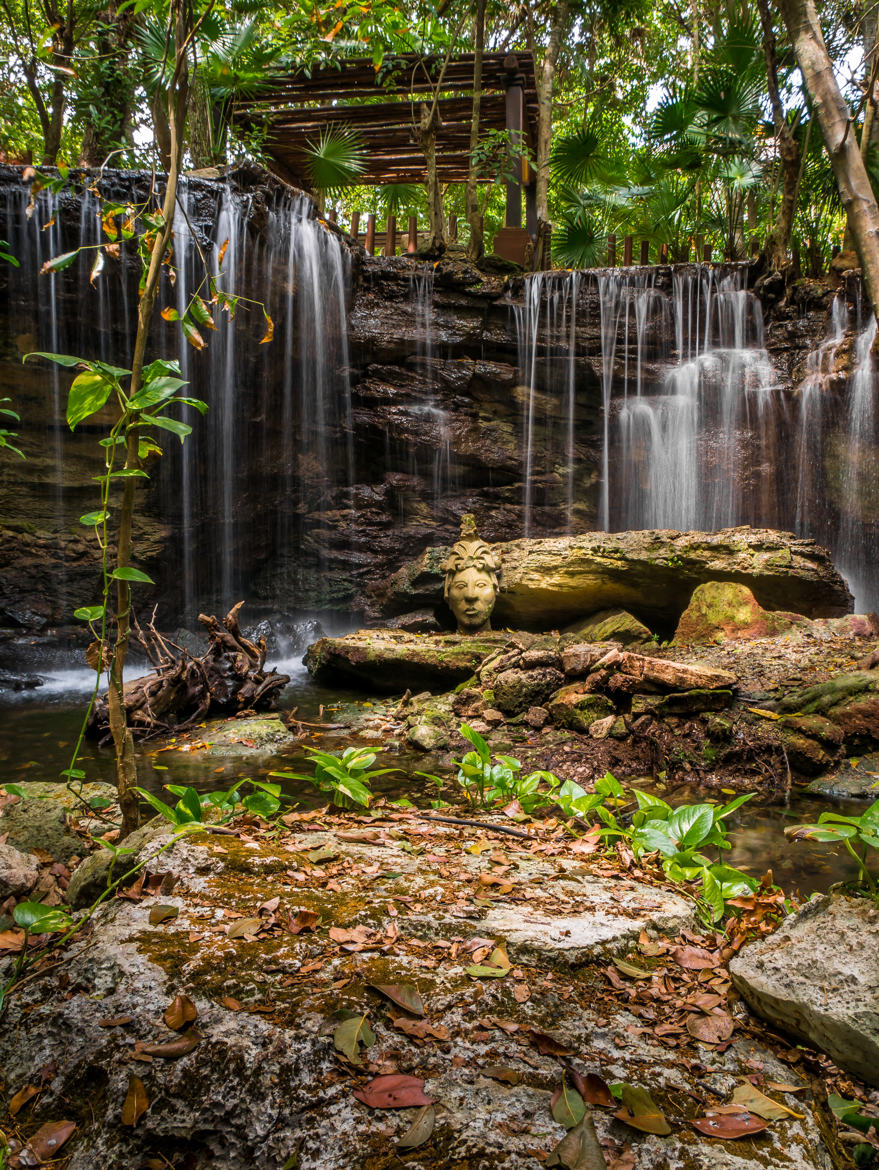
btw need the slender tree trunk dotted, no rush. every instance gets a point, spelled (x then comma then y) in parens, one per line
(545, 87)
(126, 772)
(834, 118)
(788, 150)
(476, 246)
(161, 130)
(428, 126)
(201, 144)
(113, 92)
(62, 54)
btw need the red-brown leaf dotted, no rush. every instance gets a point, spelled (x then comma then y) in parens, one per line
(393, 1091)
(593, 1088)
(728, 1126)
(136, 1101)
(21, 1098)
(49, 1138)
(713, 1029)
(180, 1013)
(404, 995)
(694, 958)
(548, 1045)
(173, 1049)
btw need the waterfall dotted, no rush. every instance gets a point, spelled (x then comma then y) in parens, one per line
(250, 491)
(546, 329)
(442, 478)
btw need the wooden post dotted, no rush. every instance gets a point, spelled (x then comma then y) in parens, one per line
(706, 254)
(515, 121)
(391, 236)
(370, 234)
(453, 229)
(611, 251)
(355, 224)
(627, 252)
(332, 215)
(645, 251)
(755, 246)
(412, 235)
(663, 254)
(685, 253)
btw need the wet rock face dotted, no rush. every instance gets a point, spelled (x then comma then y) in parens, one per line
(818, 978)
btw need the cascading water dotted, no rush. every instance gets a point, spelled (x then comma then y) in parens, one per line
(858, 545)
(546, 327)
(442, 473)
(283, 408)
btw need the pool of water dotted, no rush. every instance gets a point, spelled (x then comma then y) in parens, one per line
(40, 728)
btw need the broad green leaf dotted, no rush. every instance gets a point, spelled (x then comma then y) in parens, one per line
(59, 263)
(159, 805)
(89, 613)
(129, 573)
(261, 803)
(155, 391)
(90, 519)
(60, 359)
(126, 473)
(568, 1107)
(39, 919)
(350, 1035)
(175, 426)
(689, 824)
(87, 395)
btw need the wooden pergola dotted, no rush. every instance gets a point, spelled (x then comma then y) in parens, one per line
(383, 108)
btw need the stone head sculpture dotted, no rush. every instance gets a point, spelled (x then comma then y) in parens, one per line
(471, 579)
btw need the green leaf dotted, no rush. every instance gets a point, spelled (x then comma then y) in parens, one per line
(59, 263)
(60, 359)
(89, 613)
(189, 806)
(126, 473)
(350, 1035)
(690, 823)
(159, 805)
(261, 803)
(36, 918)
(87, 395)
(155, 391)
(129, 573)
(568, 1107)
(90, 519)
(181, 429)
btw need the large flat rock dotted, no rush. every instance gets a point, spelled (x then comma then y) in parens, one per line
(553, 581)
(392, 660)
(818, 978)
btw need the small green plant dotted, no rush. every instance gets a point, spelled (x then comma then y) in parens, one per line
(191, 807)
(345, 778)
(5, 435)
(834, 828)
(680, 835)
(34, 918)
(488, 782)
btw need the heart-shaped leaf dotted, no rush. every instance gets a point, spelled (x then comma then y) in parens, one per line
(180, 1013)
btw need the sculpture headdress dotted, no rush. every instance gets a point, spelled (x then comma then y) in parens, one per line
(470, 552)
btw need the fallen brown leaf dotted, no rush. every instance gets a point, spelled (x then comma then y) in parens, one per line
(393, 1091)
(136, 1101)
(180, 1012)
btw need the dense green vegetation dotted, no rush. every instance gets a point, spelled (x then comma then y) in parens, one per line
(684, 125)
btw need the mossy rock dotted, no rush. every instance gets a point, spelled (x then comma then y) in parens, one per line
(517, 690)
(577, 710)
(611, 625)
(721, 611)
(857, 779)
(684, 703)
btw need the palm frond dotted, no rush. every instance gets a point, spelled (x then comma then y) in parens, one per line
(336, 158)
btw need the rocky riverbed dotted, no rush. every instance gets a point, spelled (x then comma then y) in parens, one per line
(499, 980)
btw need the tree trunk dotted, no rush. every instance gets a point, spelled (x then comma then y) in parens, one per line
(201, 144)
(476, 247)
(545, 86)
(788, 151)
(427, 129)
(112, 92)
(161, 130)
(62, 53)
(834, 118)
(177, 98)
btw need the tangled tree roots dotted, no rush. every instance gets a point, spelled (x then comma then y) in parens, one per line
(229, 677)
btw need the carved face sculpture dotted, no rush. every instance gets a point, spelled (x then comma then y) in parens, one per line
(471, 580)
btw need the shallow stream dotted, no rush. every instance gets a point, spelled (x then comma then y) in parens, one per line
(41, 726)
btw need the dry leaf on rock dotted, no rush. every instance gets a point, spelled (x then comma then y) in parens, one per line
(393, 1091)
(11, 940)
(180, 1012)
(496, 966)
(420, 1130)
(712, 1029)
(115, 1021)
(302, 921)
(754, 1101)
(350, 1035)
(136, 1101)
(502, 1073)
(48, 1140)
(728, 1126)
(548, 1045)
(421, 1029)
(641, 1112)
(631, 970)
(404, 995)
(173, 1049)
(593, 1088)
(243, 927)
(694, 958)
(234, 1005)
(160, 914)
(21, 1098)
(568, 1107)
(579, 1149)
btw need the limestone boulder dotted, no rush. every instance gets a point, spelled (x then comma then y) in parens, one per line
(517, 690)
(394, 660)
(721, 611)
(578, 710)
(18, 872)
(611, 625)
(817, 978)
(551, 582)
(36, 823)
